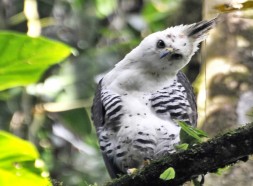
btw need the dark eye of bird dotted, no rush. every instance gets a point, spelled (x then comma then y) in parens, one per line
(176, 56)
(160, 44)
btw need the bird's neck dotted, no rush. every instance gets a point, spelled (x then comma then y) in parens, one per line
(133, 75)
(125, 78)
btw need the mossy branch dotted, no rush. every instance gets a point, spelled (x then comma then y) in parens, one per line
(206, 157)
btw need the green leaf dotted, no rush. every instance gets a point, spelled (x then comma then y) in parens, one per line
(21, 177)
(168, 174)
(193, 132)
(186, 138)
(13, 147)
(220, 171)
(20, 163)
(183, 146)
(76, 120)
(23, 59)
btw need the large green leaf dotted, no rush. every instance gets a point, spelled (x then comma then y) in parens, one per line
(19, 163)
(14, 148)
(23, 59)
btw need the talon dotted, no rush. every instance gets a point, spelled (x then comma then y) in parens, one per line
(131, 171)
(146, 162)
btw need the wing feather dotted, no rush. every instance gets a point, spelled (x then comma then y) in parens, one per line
(97, 109)
(190, 96)
(98, 117)
(176, 101)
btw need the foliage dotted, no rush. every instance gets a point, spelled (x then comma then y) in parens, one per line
(188, 136)
(168, 174)
(78, 116)
(220, 171)
(191, 135)
(20, 163)
(23, 59)
(182, 146)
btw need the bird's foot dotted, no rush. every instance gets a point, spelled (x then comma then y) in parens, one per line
(131, 171)
(135, 170)
(146, 162)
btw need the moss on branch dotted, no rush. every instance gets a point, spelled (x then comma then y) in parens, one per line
(206, 157)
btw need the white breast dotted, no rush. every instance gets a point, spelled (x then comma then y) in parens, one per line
(142, 133)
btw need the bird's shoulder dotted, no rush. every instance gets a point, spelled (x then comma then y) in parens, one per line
(176, 101)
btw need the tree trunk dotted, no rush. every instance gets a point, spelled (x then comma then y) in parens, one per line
(225, 83)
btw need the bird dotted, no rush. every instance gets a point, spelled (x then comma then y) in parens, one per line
(137, 103)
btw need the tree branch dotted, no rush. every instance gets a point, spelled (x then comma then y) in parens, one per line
(206, 157)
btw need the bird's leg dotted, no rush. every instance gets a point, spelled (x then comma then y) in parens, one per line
(146, 162)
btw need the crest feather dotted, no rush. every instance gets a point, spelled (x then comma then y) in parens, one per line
(200, 29)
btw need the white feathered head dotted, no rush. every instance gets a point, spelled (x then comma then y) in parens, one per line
(171, 48)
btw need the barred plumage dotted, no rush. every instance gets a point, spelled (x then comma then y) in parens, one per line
(137, 103)
(173, 101)
(113, 104)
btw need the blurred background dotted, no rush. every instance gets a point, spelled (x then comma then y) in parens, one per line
(54, 113)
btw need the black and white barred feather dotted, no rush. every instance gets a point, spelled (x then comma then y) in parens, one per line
(176, 101)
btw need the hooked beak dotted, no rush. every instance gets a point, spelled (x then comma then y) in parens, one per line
(166, 51)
